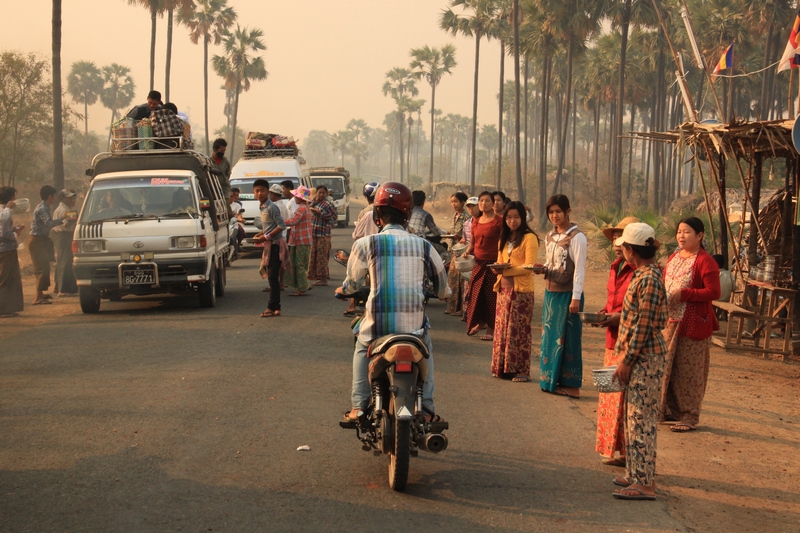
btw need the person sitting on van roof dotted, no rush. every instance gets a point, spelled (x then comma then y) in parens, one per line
(143, 110)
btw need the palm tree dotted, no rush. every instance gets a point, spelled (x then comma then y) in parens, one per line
(239, 67)
(400, 86)
(340, 142)
(58, 134)
(358, 128)
(118, 89)
(475, 23)
(209, 22)
(432, 64)
(85, 84)
(183, 6)
(155, 7)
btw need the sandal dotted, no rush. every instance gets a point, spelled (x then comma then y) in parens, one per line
(562, 392)
(487, 338)
(621, 482)
(682, 428)
(297, 293)
(641, 495)
(614, 461)
(349, 313)
(269, 313)
(520, 378)
(474, 331)
(42, 302)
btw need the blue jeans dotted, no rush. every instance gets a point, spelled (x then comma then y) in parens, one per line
(361, 392)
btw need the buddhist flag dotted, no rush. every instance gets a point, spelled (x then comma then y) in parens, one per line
(726, 61)
(791, 58)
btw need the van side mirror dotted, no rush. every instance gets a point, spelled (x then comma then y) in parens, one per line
(88, 172)
(205, 204)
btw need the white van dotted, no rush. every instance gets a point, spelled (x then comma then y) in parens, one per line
(152, 222)
(272, 164)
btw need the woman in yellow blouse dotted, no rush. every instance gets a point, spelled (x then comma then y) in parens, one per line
(519, 245)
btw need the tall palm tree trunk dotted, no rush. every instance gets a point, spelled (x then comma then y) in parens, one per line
(152, 46)
(630, 153)
(527, 121)
(58, 134)
(499, 179)
(433, 125)
(235, 118)
(517, 140)
(474, 114)
(546, 71)
(408, 155)
(205, 94)
(562, 151)
(616, 193)
(169, 56)
(401, 120)
(596, 140)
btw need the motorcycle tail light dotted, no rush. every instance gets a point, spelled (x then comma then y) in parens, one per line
(403, 352)
(402, 367)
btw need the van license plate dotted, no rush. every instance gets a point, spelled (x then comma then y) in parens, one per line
(138, 276)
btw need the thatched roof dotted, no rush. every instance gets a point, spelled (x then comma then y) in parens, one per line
(772, 138)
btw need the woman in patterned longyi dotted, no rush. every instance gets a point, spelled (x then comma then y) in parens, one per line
(641, 348)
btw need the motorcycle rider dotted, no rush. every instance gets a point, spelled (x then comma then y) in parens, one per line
(397, 263)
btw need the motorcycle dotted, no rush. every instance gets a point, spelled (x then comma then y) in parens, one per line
(395, 423)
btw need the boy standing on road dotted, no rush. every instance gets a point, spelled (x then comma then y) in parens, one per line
(275, 251)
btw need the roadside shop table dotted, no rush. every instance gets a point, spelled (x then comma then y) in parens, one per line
(750, 326)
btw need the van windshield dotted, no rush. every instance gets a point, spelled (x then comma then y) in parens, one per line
(140, 197)
(245, 185)
(334, 184)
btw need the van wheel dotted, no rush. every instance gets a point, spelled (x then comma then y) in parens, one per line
(222, 278)
(90, 299)
(207, 291)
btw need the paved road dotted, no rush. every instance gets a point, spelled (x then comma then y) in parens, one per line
(155, 415)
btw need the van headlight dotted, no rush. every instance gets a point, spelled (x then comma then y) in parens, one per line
(185, 242)
(92, 246)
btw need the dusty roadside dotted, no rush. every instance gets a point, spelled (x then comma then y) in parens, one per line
(737, 472)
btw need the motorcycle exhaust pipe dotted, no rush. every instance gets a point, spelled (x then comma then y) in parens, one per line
(432, 442)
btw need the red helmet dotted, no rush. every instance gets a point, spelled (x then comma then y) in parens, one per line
(394, 195)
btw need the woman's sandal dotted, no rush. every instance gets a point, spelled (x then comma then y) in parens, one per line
(614, 461)
(487, 338)
(269, 313)
(474, 331)
(521, 379)
(681, 428)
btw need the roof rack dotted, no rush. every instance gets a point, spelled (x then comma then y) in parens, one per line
(271, 151)
(156, 146)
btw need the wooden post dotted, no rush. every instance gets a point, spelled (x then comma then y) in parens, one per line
(755, 200)
(723, 213)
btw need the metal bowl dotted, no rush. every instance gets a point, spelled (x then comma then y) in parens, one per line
(500, 266)
(592, 318)
(21, 206)
(536, 269)
(465, 264)
(458, 249)
(602, 378)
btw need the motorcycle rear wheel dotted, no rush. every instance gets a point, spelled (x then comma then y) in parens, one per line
(400, 459)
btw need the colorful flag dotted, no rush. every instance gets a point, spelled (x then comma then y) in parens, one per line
(726, 61)
(791, 57)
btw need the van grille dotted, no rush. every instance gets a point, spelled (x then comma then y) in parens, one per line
(90, 231)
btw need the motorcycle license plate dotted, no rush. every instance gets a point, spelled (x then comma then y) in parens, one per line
(139, 276)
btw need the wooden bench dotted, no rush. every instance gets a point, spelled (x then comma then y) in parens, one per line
(769, 304)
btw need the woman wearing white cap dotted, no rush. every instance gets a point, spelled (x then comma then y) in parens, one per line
(641, 350)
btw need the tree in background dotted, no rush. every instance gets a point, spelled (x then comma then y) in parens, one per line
(183, 6)
(316, 148)
(358, 148)
(85, 83)
(340, 141)
(155, 7)
(474, 23)
(58, 126)
(209, 21)
(240, 66)
(432, 64)
(118, 89)
(25, 109)
(400, 86)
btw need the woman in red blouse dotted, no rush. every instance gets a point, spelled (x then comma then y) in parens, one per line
(692, 280)
(482, 299)
(611, 405)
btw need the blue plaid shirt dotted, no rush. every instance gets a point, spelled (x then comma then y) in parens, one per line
(397, 263)
(43, 221)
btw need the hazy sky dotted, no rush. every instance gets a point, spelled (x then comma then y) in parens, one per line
(326, 59)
